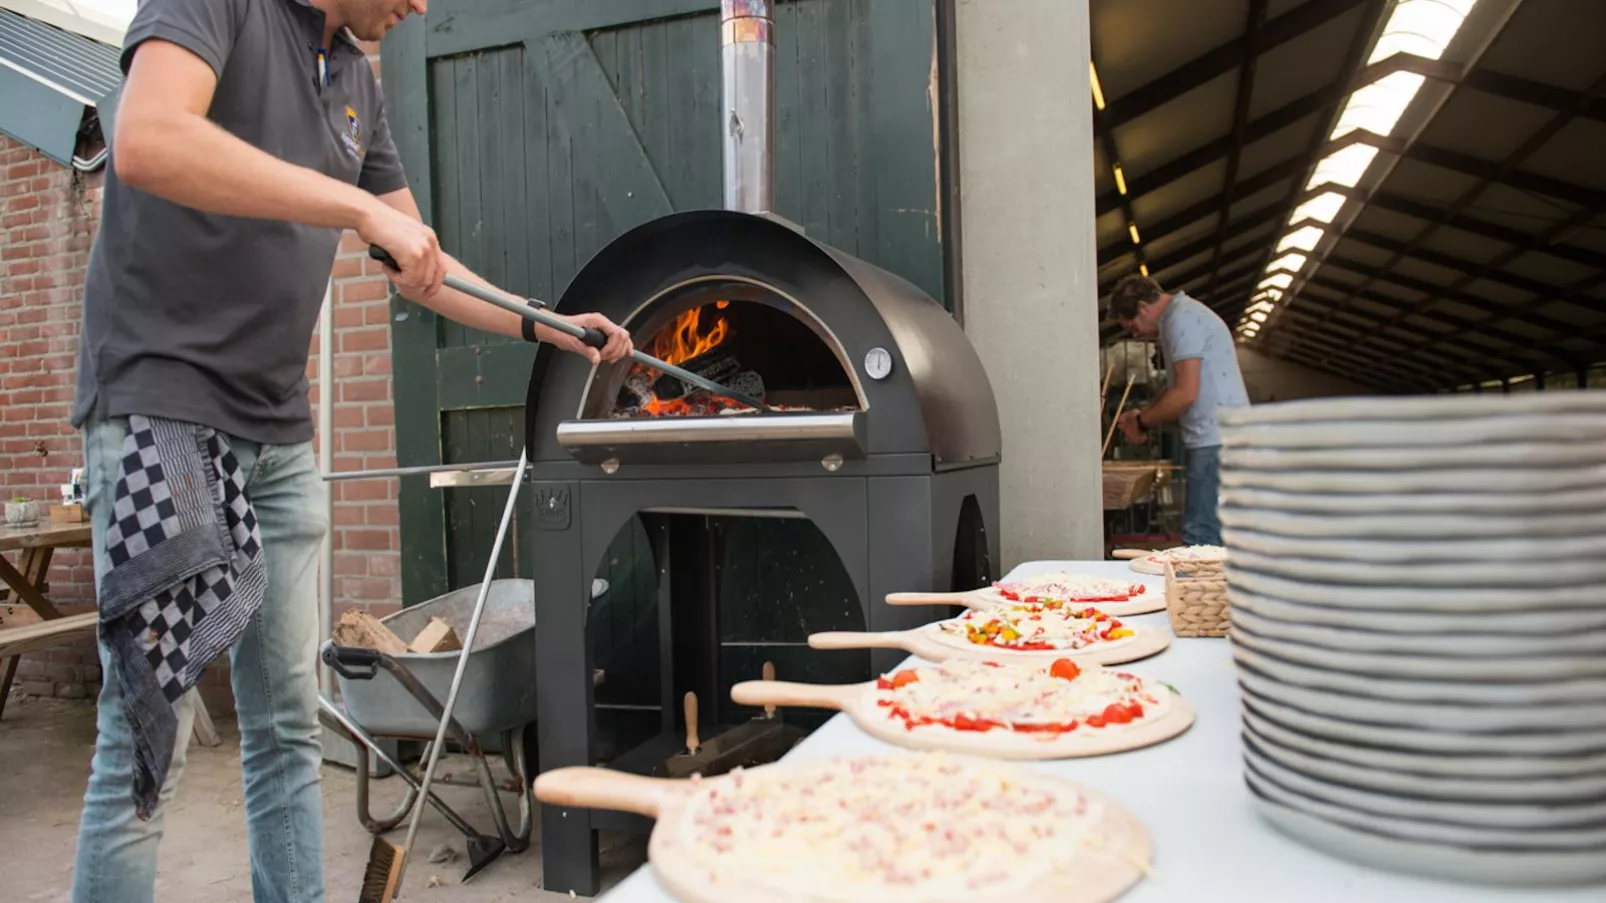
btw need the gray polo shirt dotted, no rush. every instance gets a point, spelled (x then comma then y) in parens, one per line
(207, 318)
(1189, 329)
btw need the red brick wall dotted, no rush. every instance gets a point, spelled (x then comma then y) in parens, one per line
(48, 216)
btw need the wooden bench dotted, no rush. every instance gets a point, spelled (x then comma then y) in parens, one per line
(37, 624)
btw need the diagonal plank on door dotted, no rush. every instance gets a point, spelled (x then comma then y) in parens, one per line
(609, 156)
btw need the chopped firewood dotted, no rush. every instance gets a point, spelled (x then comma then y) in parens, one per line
(437, 636)
(363, 631)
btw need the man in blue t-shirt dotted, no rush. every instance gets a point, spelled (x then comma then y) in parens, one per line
(1198, 348)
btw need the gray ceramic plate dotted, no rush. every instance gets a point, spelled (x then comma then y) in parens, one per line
(1373, 409)
(1422, 552)
(1370, 633)
(1564, 752)
(1531, 677)
(1482, 865)
(1555, 826)
(1272, 681)
(1407, 525)
(1445, 433)
(1457, 502)
(1416, 458)
(1438, 783)
(1580, 577)
(1496, 480)
(1518, 607)
(1525, 768)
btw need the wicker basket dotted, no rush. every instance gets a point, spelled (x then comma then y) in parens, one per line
(1196, 597)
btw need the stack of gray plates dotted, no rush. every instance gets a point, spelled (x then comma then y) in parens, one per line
(1418, 592)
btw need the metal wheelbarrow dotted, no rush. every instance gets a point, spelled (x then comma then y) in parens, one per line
(496, 705)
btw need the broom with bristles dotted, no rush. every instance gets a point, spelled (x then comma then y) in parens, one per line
(383, 875)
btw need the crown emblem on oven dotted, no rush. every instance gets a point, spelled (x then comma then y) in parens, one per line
(552, 508)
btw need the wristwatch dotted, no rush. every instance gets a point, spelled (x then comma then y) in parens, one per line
(527, 327)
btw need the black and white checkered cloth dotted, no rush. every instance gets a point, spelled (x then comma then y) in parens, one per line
(186, 576)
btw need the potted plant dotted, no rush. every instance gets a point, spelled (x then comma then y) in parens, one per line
(21, 512)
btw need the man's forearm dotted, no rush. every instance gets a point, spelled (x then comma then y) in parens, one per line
(1168, 407)
(189, 160)
(473, 312)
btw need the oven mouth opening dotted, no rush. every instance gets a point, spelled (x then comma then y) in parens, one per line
(736, 332)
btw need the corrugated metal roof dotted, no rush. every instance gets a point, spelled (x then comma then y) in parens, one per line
(75, 66)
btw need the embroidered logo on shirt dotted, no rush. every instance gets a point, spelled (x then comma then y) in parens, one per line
(352, 136)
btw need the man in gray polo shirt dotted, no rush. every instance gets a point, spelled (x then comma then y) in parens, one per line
(248, 134)
(1198, 348)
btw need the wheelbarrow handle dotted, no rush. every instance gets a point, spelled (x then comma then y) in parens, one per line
(352, 662)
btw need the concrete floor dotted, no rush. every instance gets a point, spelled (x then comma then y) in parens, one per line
(45, 748)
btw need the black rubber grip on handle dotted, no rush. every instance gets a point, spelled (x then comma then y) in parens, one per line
(594, 337)
(383, 256)
(352, 662)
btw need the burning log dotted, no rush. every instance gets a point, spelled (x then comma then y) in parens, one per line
(717, 365)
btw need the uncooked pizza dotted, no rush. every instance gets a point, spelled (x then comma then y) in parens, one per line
(1154, 563)
(1041, 701)
(918, 827)
(1063, 587)
(1039, 627)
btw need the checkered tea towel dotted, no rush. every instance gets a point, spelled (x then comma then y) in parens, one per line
(183, 576)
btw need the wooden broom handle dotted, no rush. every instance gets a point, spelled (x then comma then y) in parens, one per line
(1121, 406)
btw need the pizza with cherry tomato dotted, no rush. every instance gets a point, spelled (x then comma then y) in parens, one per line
(1017, 710)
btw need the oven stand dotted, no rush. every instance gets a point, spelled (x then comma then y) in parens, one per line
(892, 534)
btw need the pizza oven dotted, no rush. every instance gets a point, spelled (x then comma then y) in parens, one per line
(882, 431)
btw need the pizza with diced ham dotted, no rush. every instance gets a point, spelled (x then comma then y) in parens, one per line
(911, 828)
(1064, 587)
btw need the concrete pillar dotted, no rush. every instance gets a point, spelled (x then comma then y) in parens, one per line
(1029, 259)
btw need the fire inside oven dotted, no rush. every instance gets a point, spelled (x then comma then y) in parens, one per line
(742, 335)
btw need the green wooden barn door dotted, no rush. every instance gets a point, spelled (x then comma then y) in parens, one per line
(536, 132)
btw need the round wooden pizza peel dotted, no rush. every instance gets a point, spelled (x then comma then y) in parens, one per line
(1098, 871)
(989, 597)
(929, 643)
(858, 701)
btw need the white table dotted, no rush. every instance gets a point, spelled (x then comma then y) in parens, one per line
(1189, 792)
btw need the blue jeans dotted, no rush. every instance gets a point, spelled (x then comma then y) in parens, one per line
(1201, 524)
(274, 671)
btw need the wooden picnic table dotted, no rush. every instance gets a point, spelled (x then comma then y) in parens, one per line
(42, 625)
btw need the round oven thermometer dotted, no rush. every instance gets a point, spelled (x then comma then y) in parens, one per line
(878, 363)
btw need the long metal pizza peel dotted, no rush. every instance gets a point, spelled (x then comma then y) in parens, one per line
(536, 312)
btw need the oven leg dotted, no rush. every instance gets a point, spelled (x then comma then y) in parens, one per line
(569, 855)
(902, 530)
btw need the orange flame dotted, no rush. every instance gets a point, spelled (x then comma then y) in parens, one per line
(683, 340)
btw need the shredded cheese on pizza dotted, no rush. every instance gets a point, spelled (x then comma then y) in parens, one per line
(913, 828)
(1036, 628)
(1043, 700)
(1189, 553)
(1064, 587)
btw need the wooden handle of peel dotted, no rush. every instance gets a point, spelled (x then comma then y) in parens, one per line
(964, 598)
(856, 639)
(785, 692)
(1129, 554)
(769, 674)
(692, 741)
(587, 787)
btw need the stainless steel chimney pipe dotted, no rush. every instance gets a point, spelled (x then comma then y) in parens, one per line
(747, 62)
